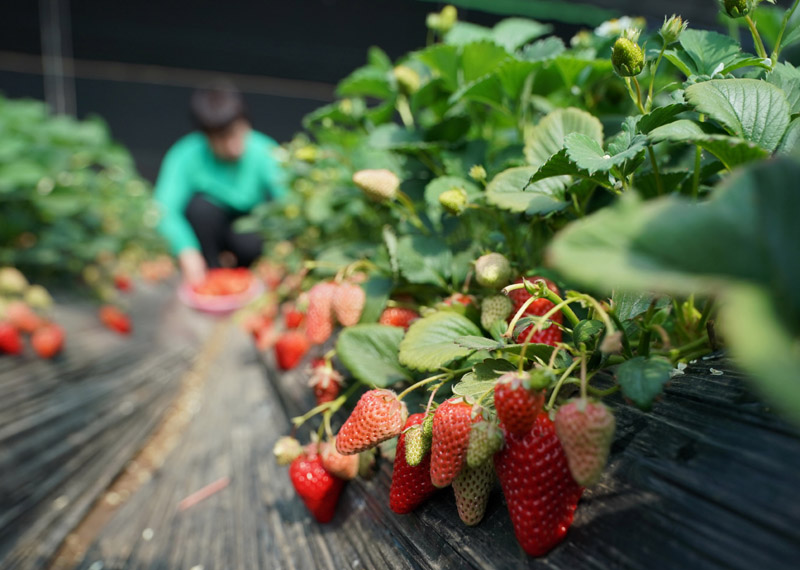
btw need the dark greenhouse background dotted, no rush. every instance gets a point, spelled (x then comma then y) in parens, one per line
(135, 63)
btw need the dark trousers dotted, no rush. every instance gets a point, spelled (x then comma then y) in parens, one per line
(213, 226)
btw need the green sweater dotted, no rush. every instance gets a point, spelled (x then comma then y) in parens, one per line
(190, 167)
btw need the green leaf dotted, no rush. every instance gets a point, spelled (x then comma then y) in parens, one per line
(754, 110)
(732, 151)
(479, 343)
(547, 138)
(369, 351)
(478, 59)
(424, 259)
(763, 346)
(376, 57)
(628, 305)
(463, 33)
(790, 138)
(444, 61)
(369, 81)
(586, 331)
(491, 369)
(746, 233)
(429, 343)
(786, 77)
(377, 289)
(513, 33)
(472, 389)
(705, 52)
(587, 154)
(513, 74)
(510, 190)
(660, 116)
(642, 379)
(543, 50)
(561, 166)
(486, 89)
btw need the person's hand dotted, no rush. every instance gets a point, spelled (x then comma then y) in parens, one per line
(193, 266)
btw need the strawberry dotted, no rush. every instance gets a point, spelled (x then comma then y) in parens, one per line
(550, 335)
(417, 445)
(266, 337)
(22, 317)
(494, 308)
(10, 340)
(485, 439)
(586, 430)
(398, 317)
(517, 405)
(292, 318)
(114, 319)
(411, 485)
(286, 450)
(318, 488)
(290, 348)
(325, 381)
(472, 488)
(12, 281)
(378, 416)
(540, 492)
(454, 201)
(452, 423)
(319, 318)
(348, 303)
(460, 299)
(37, 297)
(380, 185)
(342, 466)
(48, 340)
(493, 270)
(254, 322)
(123, 282)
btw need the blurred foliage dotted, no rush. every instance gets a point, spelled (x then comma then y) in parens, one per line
(69, 195)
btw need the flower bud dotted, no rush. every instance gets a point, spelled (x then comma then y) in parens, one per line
(454, 200)
(627, 58)
(671, 29)
(407, 79)
(477, 172)
(738, 8)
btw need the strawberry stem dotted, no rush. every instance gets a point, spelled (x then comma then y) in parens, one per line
(583, 371)
(603, 393)
(560, 382)
(421, 383)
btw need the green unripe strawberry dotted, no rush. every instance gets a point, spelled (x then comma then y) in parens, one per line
(485, 440)
(12, 281)
(417, 445)
(454, 200)
(477, 172)
(380, 185)
(449, 17)
(37, 297)
(627, 58)
(495, 308)
(407, 79)
(738, 8)
(472, 488)
(586, 431)
(493, 270)
(427, 426)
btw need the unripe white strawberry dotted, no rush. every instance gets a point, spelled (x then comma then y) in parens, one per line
(586, 430)
(348, 303)
(454, 200)
(12, 281)
(380, 185)
(493, 270)
(286, 450)
(495, 308)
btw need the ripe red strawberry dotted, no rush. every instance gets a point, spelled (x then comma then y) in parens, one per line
(325, 381)
(10, 340)
(516, 403)
(586, 430)
(550, 335)
(378, 416)
(411, 486)
(22, 317)
(472, 488)
(452, 423)
(541, 494)
(293, 318)
(123, 282)
(319, 318)
(342, 466)
(48, 340)
(460, 299)
(348, 303)
(398, 317)
(114, 319)
(290, 348)
(318, 488)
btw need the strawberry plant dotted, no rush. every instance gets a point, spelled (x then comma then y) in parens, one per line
(537, 226)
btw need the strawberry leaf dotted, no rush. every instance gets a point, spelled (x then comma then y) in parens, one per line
(642, 379)
(478, 343)
(369, 351)
(429, 343)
